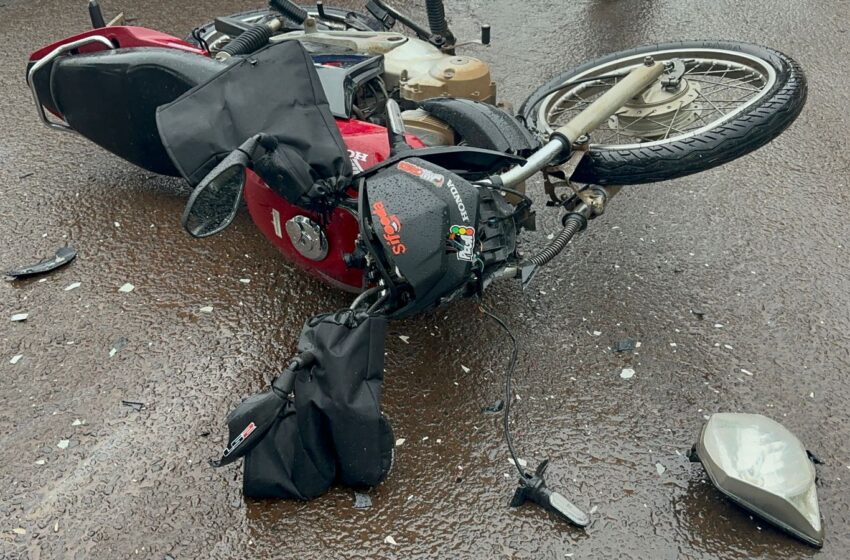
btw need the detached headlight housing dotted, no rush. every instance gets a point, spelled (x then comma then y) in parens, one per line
(763, 467)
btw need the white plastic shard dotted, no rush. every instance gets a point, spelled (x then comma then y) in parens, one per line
(763, 467)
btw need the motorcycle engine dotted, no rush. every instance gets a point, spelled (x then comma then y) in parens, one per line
(440, 234)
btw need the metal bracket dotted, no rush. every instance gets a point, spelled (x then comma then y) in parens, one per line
(672, 76)
(562, 173)
(62, 49)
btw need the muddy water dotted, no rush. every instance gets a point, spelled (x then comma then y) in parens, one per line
(759, 246)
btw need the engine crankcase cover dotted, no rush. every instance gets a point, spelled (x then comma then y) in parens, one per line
(426, 218)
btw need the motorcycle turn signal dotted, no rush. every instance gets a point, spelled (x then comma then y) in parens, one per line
(533, 487)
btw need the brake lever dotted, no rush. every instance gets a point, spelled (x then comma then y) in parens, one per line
(533, 488)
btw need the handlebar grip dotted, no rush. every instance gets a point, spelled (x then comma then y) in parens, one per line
(254, 39)
(290, 10)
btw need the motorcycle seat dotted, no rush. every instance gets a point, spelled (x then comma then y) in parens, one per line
(111, 97)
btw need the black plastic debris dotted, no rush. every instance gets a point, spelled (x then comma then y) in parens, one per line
(699, 314)
(63, 256)
(494, 408)
(135, 405)
(625, 345)
(362, 501)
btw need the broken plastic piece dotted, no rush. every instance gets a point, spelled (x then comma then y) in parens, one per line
(117, 346)
(63, 256)
(494, 408)
(362, 501)
(626, 345)
(137, 406)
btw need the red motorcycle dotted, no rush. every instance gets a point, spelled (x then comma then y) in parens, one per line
(388, 203)
(108, 83)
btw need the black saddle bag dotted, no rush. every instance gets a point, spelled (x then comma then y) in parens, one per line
(333, 430)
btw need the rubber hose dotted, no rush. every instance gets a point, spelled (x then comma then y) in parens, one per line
(437, 17)
(249, 41)
(571, 227)
(290, 10)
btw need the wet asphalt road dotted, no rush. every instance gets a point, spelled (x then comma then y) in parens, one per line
(760, 246)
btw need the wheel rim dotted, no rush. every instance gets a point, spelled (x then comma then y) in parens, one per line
(717, 86)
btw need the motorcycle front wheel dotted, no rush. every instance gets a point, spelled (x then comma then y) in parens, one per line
(732, 98)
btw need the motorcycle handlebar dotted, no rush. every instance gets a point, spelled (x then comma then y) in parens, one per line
(251, 40)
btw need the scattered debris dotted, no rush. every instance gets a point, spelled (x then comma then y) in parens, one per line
(206, 309)
(245, 280)
(699, 314)
(522, 462)
(718, 326)
(404, 338)
(625, 345)
(63, 443)
(77, 422)
(117, 346)
(126, 288)
(25, 175)
(40, 462)
(18, 317)
(659, 468)
(464, 368)
(16, 358)
(627, 373)
(137, 406)
(597, 333)
(746, 372)
(400, 441)
(390, 540)
(21, 531)
(73, 286)
(63, 256)
(726, 346)
(494, 408)
(362, 501)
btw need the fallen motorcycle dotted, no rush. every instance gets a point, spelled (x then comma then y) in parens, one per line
(410, 226)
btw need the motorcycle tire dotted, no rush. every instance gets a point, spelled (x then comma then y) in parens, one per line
(756, 122)
(207, 30)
